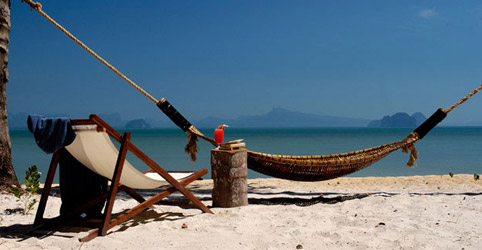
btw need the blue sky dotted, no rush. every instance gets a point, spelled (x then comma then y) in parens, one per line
(362, 59)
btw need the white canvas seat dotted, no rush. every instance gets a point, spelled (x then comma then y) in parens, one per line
(95, 150)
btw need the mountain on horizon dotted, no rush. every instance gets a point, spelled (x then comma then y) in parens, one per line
(276, 118)
(283, 118)
(399, 120)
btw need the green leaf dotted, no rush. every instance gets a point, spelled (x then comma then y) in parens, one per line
(32, 183)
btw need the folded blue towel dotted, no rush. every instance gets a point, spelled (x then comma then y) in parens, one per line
(51, 134)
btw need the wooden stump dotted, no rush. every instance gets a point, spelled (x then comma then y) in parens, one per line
(229, 170)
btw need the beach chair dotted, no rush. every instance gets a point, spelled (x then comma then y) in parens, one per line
(94, 149)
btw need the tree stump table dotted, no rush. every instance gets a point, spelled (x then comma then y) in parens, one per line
(229, 170)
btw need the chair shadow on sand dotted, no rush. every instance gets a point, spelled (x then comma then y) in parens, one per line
(74, 227)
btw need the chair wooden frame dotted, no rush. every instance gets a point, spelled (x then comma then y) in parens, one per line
(107, 221)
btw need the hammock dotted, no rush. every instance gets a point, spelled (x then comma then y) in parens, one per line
(325, 167)
(299, 168)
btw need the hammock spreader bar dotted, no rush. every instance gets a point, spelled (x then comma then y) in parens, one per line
(430, 123)
(174, 115)
(186, 126)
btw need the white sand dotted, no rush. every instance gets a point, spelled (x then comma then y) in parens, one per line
(421, 212)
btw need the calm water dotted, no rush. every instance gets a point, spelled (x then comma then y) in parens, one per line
(444, 150)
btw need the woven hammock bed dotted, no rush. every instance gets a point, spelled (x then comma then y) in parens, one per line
(299, 168)
(324, 167)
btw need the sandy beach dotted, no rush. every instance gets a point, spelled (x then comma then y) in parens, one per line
(417, 212)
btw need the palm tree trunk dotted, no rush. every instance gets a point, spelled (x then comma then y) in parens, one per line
(7, 173)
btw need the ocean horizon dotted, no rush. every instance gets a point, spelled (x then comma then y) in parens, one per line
(443, 150)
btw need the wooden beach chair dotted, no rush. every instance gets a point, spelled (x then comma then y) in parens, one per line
(93, 148)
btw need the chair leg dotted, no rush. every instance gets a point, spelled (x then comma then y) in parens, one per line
(47, 187)
(115, 184)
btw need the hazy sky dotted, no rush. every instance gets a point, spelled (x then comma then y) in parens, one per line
(363, 59)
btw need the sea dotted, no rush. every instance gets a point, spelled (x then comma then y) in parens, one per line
(444, 150)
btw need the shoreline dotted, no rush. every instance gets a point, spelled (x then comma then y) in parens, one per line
(434, 212)
(351, 184)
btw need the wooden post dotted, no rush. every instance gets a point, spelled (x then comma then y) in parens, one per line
(229, 170)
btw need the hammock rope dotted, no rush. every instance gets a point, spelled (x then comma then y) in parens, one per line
(168, 109)
(463, 99)
(301, 168)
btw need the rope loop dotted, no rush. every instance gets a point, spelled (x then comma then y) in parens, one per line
(33, 5)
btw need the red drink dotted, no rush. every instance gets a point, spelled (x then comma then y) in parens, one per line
(219, 135)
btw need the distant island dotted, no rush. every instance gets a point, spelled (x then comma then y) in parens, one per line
(138, 124)
(399, 120)
(276, 118)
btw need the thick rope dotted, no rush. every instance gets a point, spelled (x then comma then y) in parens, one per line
(192, 132)
(463, 99)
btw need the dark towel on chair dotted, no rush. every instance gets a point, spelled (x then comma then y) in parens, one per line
(51, 134)
(79, 185)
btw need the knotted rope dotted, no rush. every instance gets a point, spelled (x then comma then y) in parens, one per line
(413, 155)
(411, 139)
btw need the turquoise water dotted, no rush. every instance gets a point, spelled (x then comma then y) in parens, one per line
(444, 150)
